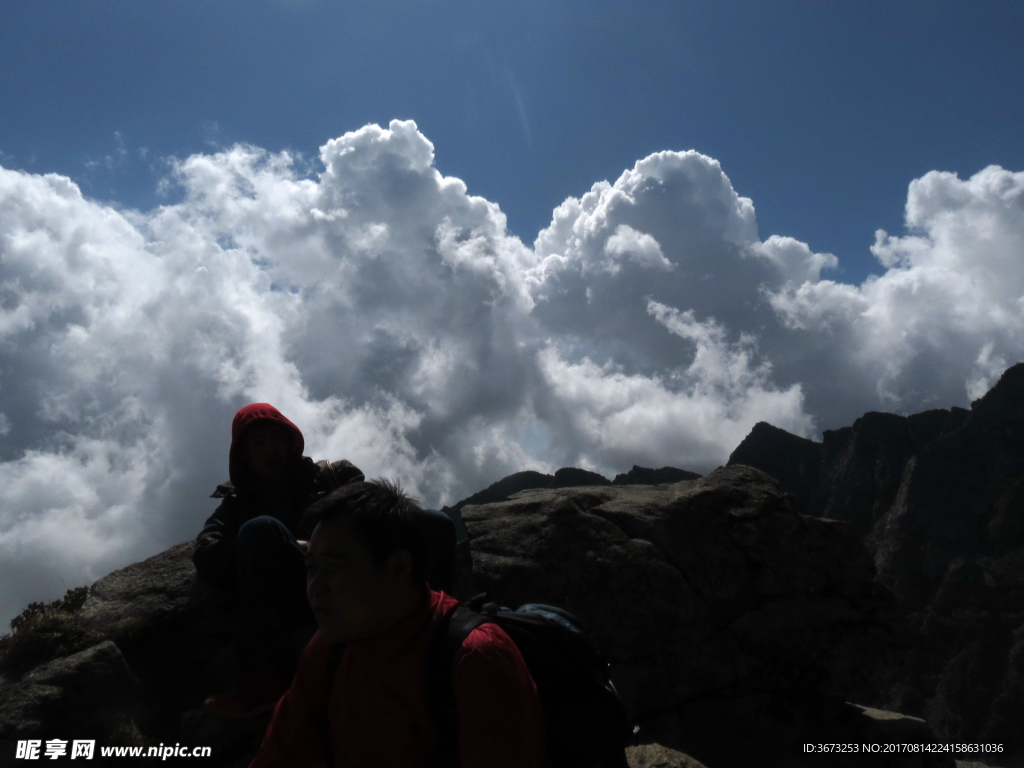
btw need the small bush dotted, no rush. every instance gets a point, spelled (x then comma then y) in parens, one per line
(45, 631)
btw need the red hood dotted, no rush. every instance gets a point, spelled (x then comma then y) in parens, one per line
(252, 413)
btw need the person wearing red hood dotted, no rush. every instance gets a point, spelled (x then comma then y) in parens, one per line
(252, 547)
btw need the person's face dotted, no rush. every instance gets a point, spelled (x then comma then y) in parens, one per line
(351, 598)
(267, 449)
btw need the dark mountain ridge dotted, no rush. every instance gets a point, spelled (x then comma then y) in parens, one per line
(938, 499)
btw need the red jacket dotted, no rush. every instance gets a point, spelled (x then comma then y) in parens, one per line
(375, 714)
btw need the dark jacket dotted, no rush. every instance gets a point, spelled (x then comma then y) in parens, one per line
(214, 550)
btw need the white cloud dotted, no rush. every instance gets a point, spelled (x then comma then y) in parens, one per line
(388, 312)
(692, 417)
(986, 372)
(639, 246)
(945, 318)
(719, 367)
(797, 263)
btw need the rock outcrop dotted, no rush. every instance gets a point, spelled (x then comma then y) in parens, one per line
(76, 696)
(163, 646)
(566, 477)
(738, 627)
(939, 499)
(657, 756)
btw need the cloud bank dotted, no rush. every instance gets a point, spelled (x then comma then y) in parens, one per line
(390, 315)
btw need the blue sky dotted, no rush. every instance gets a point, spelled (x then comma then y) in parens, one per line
(822, 113)
(303, 202)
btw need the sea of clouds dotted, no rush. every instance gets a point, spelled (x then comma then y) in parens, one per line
(390, 315)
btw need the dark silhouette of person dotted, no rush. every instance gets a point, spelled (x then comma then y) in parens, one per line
(253, 548)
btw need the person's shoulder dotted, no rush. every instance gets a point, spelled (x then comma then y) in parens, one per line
(489, 638)
(442, 604)
(487, 635)
(489, 660)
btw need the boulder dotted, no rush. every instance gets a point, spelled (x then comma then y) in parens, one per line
(154, 591)
(735, 625)
(91, 694)
(502, 489)
(563, 478)
(497, 491)
(657, 756)
(847, 736)
(157, 620)
(174, 631)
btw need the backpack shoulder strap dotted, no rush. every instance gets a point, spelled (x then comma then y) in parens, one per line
(440, 684)
(323, 724)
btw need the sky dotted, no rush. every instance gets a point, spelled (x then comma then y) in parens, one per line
(456, 240)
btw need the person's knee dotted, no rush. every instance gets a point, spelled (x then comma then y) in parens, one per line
(270, 563)
(262, 535)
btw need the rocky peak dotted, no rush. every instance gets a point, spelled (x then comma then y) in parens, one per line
(938, 498)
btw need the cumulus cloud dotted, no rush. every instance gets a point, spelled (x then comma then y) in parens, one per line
(947, 315)
(639, 246)
(388, 312)
(795, 261)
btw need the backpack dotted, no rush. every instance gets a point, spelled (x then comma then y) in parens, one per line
(587, 723)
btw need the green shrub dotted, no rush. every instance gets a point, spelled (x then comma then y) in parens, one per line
(45, 631)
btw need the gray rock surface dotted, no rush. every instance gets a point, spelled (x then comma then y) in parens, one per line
(91, 694)
(566, 477)
(657, 756)
(736, 626)
(497, 491)
(156, 620)
(156, 590)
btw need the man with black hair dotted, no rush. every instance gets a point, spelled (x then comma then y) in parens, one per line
(366, 566)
